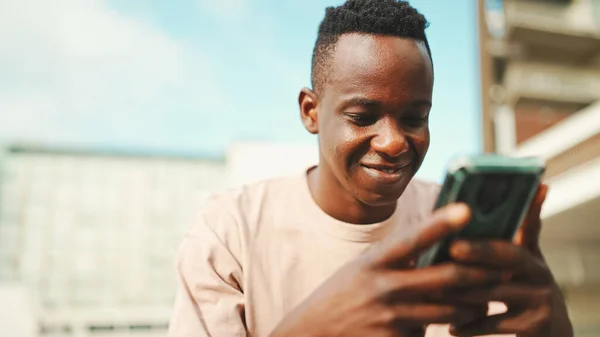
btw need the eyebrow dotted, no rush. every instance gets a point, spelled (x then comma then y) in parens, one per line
(425, 102)
(362, 101)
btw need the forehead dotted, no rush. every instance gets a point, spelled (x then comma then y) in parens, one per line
(383, 66)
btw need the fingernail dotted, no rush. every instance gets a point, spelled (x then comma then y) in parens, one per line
(460, 249)
(458, 214)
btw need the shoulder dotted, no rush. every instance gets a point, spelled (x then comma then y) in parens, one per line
(230, 214)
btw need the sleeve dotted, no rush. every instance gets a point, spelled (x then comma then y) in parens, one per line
(209, 301)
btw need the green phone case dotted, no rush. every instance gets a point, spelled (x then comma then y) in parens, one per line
(497, 210)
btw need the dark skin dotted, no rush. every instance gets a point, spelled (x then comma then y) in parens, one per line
(372, 120)
(373, 111)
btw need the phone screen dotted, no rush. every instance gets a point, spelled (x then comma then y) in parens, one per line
(498, 202)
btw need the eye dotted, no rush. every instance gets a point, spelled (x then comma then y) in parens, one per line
(416, 121)
(362, 119)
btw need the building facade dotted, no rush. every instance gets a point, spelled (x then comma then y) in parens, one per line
(17, 312)
(92, 236)
(89, 238)
(540, 75)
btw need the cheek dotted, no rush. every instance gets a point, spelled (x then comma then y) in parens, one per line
(352, 147)
(421, 141)
(347, 145)
(342, 146)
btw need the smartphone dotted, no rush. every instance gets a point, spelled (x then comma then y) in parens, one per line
(498, 189)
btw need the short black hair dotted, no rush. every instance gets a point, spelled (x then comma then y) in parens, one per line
(378, 17)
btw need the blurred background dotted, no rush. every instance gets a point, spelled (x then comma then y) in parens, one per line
(117, 119)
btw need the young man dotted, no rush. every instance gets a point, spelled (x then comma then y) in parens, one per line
(330, 252)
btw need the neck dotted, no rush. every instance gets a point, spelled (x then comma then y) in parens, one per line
(337, 202)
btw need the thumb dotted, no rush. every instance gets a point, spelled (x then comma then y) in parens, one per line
(529, 234)
(399, 250)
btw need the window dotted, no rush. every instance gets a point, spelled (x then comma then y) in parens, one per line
(9, 236)
(62, 228)
(57, 291)
(7, 271)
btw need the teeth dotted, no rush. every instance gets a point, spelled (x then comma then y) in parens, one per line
(386, 171)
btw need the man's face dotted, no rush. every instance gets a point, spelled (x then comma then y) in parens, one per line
(372, 116)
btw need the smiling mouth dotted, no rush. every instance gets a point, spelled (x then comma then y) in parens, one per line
(386, 170)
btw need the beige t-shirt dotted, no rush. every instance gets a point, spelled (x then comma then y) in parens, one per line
(255, 253)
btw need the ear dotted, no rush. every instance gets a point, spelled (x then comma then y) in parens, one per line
(308, 110)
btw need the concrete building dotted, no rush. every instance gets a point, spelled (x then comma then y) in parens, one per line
(254, 161)
(540, 74)
(91, 236)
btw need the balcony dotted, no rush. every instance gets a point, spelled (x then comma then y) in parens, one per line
(573, 262)
(573, 204)
(569, 144)
(571, 238)
(567, 30)
(577, 156)
(562, 84)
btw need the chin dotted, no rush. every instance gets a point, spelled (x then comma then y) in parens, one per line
(379, 190)
(382, 196)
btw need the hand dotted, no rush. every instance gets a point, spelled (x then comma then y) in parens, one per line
(536, 307)
(379, 295)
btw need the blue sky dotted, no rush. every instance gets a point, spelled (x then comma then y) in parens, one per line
(192, 75)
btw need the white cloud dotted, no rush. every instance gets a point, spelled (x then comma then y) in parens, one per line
(72, 62)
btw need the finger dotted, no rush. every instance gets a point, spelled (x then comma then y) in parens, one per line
(435, 281)
(432, 313)
(501, 255)
(513, 295)
(529, 233)
(477, 311)
(517, 323)
(507, 323)
(443, 222)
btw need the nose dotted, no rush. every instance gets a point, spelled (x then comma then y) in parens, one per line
(390, 139)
